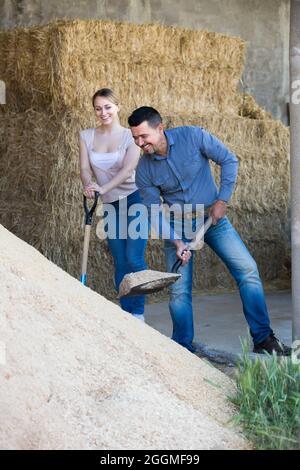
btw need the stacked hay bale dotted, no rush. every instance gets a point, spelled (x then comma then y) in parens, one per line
(61, 65)
(51, 72)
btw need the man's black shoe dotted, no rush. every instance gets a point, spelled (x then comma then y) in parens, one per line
(272, 344)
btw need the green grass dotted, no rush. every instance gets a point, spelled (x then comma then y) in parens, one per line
(268, 401)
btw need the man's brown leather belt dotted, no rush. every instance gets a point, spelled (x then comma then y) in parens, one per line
(191, 214)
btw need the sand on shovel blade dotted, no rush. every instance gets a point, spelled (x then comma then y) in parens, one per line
(146, 281)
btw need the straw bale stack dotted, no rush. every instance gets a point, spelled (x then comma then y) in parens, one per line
(250, 109)
(50, 74)
(46, 209)
(26, 142)
(62, 64)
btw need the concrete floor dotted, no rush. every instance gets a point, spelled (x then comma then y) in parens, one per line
(219, 321)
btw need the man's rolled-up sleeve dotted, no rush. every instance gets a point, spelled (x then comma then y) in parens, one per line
(215, 150)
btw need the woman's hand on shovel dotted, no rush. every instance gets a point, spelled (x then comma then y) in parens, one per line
(182, 252)
(90, 189)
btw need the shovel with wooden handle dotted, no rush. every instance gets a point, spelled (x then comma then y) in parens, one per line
(87, 233)
(148, 281)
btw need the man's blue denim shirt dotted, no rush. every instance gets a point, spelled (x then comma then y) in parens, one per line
(184, 176)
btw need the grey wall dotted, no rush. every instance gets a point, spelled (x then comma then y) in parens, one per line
(264, 25)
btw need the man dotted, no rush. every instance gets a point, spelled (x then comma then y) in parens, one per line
(175, 167)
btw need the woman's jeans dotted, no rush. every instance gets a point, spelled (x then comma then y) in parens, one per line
(128, 253)
(226, 243)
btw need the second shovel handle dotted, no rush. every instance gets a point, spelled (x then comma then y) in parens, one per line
(200, 234)
(86, 242)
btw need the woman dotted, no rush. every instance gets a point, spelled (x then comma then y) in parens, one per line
(109, 153)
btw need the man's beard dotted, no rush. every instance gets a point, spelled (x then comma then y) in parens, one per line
(149, 151)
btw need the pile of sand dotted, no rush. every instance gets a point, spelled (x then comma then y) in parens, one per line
(191, 76)
(81, 373)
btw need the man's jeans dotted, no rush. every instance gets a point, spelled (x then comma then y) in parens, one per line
(226, 243)
(128, 256)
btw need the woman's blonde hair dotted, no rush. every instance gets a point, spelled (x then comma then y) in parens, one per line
(106, 93)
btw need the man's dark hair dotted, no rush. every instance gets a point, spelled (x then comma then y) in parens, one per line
(145, 113)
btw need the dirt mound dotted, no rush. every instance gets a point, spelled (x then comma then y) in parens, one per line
(81, 373)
